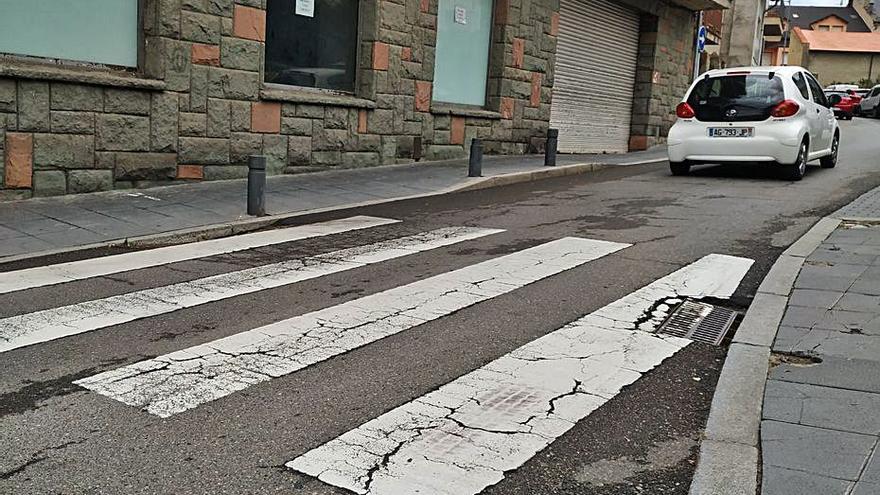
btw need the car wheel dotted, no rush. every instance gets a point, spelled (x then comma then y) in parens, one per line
(830, 161)
(857, 111)
(798, 169)
(679, 168)
(876, 112)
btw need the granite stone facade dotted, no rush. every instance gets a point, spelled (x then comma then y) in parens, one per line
(665, 70)
(197, 106)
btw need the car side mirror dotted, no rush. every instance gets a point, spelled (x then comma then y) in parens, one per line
(834, 100)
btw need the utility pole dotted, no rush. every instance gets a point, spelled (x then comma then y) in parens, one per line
(697, 46)
(787, 38)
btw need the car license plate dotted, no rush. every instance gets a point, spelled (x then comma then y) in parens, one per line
(731, 131)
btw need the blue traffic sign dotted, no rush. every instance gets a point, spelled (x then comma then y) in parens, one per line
(701, 39)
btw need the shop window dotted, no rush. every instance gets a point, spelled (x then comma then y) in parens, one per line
(462, 55)
(312, 44)
(97, 31)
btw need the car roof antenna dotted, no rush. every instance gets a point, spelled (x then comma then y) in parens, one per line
(771, 74)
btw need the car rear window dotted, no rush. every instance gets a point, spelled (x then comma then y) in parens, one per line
(732, 98)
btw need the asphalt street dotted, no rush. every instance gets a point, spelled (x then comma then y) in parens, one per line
(237, 433)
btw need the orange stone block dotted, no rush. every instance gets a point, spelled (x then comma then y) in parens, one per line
(519, 48)
(501, 8)
(380, 55)
(506, 109)
(249, 23)
(206, 54)
(406, 53)
(362, 121)
(424, 5)
(638, 143)
(190, 172)
(535, 99)
(266, 117)
(456, 136)
(423, 96)
(19, 160)
(554, 24)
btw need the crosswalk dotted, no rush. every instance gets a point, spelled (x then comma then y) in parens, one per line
(457, 439)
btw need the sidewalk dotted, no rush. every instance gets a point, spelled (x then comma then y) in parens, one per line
(821, 420)
(797, 405)
(58, 223)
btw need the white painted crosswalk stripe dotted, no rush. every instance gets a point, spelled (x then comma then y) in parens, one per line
(50, 324)
(182, 380)
(95, 267)
(462, 437)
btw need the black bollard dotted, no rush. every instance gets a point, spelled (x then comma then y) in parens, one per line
(475, 164)
(256, 185)
(550, 148)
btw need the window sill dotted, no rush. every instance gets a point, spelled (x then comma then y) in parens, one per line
(315, 98)
(443, 109)
(80, 75)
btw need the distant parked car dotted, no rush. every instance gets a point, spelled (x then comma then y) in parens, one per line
(841, 87)
(755, 114)
(846, 108)
(869, 105)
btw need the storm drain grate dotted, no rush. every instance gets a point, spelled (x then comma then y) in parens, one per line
(699, 322)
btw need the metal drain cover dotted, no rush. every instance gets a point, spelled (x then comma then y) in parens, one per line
(699, 322)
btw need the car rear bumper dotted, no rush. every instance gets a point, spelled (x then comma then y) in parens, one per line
(754, 149)
(777, 142)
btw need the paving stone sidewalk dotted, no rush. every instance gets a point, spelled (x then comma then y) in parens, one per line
(821, 420)
(47, 224)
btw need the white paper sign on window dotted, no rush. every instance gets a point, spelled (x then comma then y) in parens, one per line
(305, 8)
(460, 15)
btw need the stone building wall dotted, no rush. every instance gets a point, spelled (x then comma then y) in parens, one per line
(665, 71)
(198, 107)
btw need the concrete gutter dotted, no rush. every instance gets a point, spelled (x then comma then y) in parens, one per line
(226, 229)
(728, 462)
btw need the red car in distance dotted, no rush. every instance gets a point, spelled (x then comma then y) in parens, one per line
(849, 101)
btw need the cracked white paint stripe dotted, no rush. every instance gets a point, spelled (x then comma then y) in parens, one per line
(182, 380)
(107, 265)
(50, 324)
(461, 438)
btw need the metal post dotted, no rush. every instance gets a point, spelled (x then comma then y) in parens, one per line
(256, 185)
(697, 51)
(475, 164)
(550, 147)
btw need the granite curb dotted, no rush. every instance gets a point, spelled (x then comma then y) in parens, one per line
(729, 453)
(226, 229)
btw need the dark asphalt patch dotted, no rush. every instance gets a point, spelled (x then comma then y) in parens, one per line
(34, 393)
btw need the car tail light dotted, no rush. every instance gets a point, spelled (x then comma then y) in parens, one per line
(684, 111)
(785, 109)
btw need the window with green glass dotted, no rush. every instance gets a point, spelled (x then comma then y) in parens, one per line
(98, 31)
(462, 56)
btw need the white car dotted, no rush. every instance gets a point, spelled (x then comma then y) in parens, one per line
(755, 114)
(869, 104)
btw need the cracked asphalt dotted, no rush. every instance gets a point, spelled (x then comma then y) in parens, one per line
(57, 437)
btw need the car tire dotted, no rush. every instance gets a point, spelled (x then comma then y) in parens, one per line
(679, 168)
(857, 111)
(876, 112)
(830, 161)
(798, 169)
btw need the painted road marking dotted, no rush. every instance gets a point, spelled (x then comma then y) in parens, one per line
(50, 324)
(462, 437)
(107, 265)
(182, 380)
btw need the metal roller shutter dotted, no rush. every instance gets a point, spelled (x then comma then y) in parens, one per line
(596, 57)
